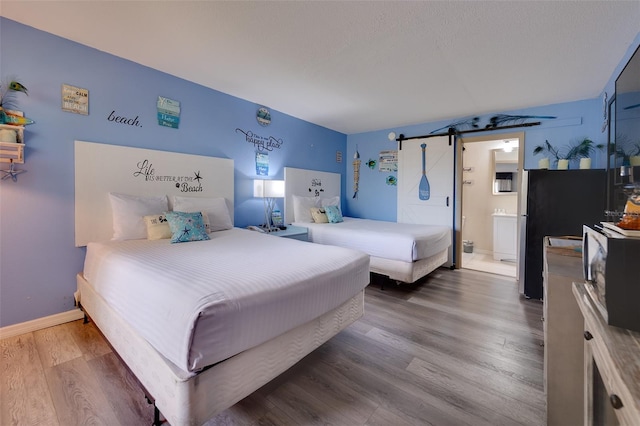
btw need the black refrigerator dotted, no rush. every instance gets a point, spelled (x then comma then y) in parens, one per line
(556, 203)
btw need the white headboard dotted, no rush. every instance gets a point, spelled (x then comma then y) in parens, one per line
(101, 168)
(307, 183)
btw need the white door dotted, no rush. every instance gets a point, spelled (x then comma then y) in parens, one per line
(439, 168)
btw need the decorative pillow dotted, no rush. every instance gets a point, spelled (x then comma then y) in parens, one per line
(215, 210)
(128, 212)
(157, 227)
(302, 208)
(318, 214)
(186, 226)
(333, 214)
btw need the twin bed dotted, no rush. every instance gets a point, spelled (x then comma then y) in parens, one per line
(206, 322)
(403, 252)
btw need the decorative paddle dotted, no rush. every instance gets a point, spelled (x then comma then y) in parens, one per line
(424, 190)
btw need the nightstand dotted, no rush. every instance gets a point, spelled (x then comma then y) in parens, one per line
(293, 232)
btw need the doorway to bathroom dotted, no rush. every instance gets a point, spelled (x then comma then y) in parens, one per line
(489, 186)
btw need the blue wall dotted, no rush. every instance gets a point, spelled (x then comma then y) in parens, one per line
(574, 122)
(38, 260)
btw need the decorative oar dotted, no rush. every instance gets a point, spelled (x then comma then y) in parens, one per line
(424, 190)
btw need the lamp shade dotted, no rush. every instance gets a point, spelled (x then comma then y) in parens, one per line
(268, 188)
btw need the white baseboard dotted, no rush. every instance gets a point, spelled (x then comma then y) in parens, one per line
(40, 323)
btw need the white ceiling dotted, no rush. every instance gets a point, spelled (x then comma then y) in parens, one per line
(358, 66)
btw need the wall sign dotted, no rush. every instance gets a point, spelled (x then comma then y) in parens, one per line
(261, 143)
(168, 112)
(388, 161)
(262, 164)
(145, 170)
(263, 116)
(75, 99)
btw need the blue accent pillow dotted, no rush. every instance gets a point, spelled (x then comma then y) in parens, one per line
(333, 214)
(186, 227)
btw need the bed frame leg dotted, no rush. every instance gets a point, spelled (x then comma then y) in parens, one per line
(85, 319)
(156, 416)
(156, 412)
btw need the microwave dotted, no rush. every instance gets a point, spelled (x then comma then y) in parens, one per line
(611, 264)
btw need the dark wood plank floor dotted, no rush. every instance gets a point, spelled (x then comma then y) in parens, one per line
(459, 348)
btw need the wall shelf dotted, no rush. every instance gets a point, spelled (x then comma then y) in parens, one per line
(11, 152)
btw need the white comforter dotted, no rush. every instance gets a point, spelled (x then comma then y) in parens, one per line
(201, 302)
(389, 240)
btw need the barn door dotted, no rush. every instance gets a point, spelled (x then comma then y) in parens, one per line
(439, 168)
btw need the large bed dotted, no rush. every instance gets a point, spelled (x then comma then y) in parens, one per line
(202, 323)
(403, 252)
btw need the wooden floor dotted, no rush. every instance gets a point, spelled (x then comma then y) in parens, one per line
(460, 348)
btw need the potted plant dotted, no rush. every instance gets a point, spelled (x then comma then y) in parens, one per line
(549, 150)
(582, 151)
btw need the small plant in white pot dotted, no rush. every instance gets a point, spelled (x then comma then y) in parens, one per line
(549, 151)
(583, 151)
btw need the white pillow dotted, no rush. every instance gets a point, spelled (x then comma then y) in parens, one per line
(215, 209)
(302, 208)
(331, 201)
(128, 212)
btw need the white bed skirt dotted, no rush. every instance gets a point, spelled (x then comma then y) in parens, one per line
(405, 271)
(191, 399)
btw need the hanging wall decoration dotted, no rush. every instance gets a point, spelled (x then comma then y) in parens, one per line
(9, 88)
(494, 122)
(391, 180)
(371, 164)
(75, 99)
(168, 112)
(424, 190)
(605, 108)
(388, 161)
(263, 116)
(262, 163)
(11, 134)
(356, 172)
